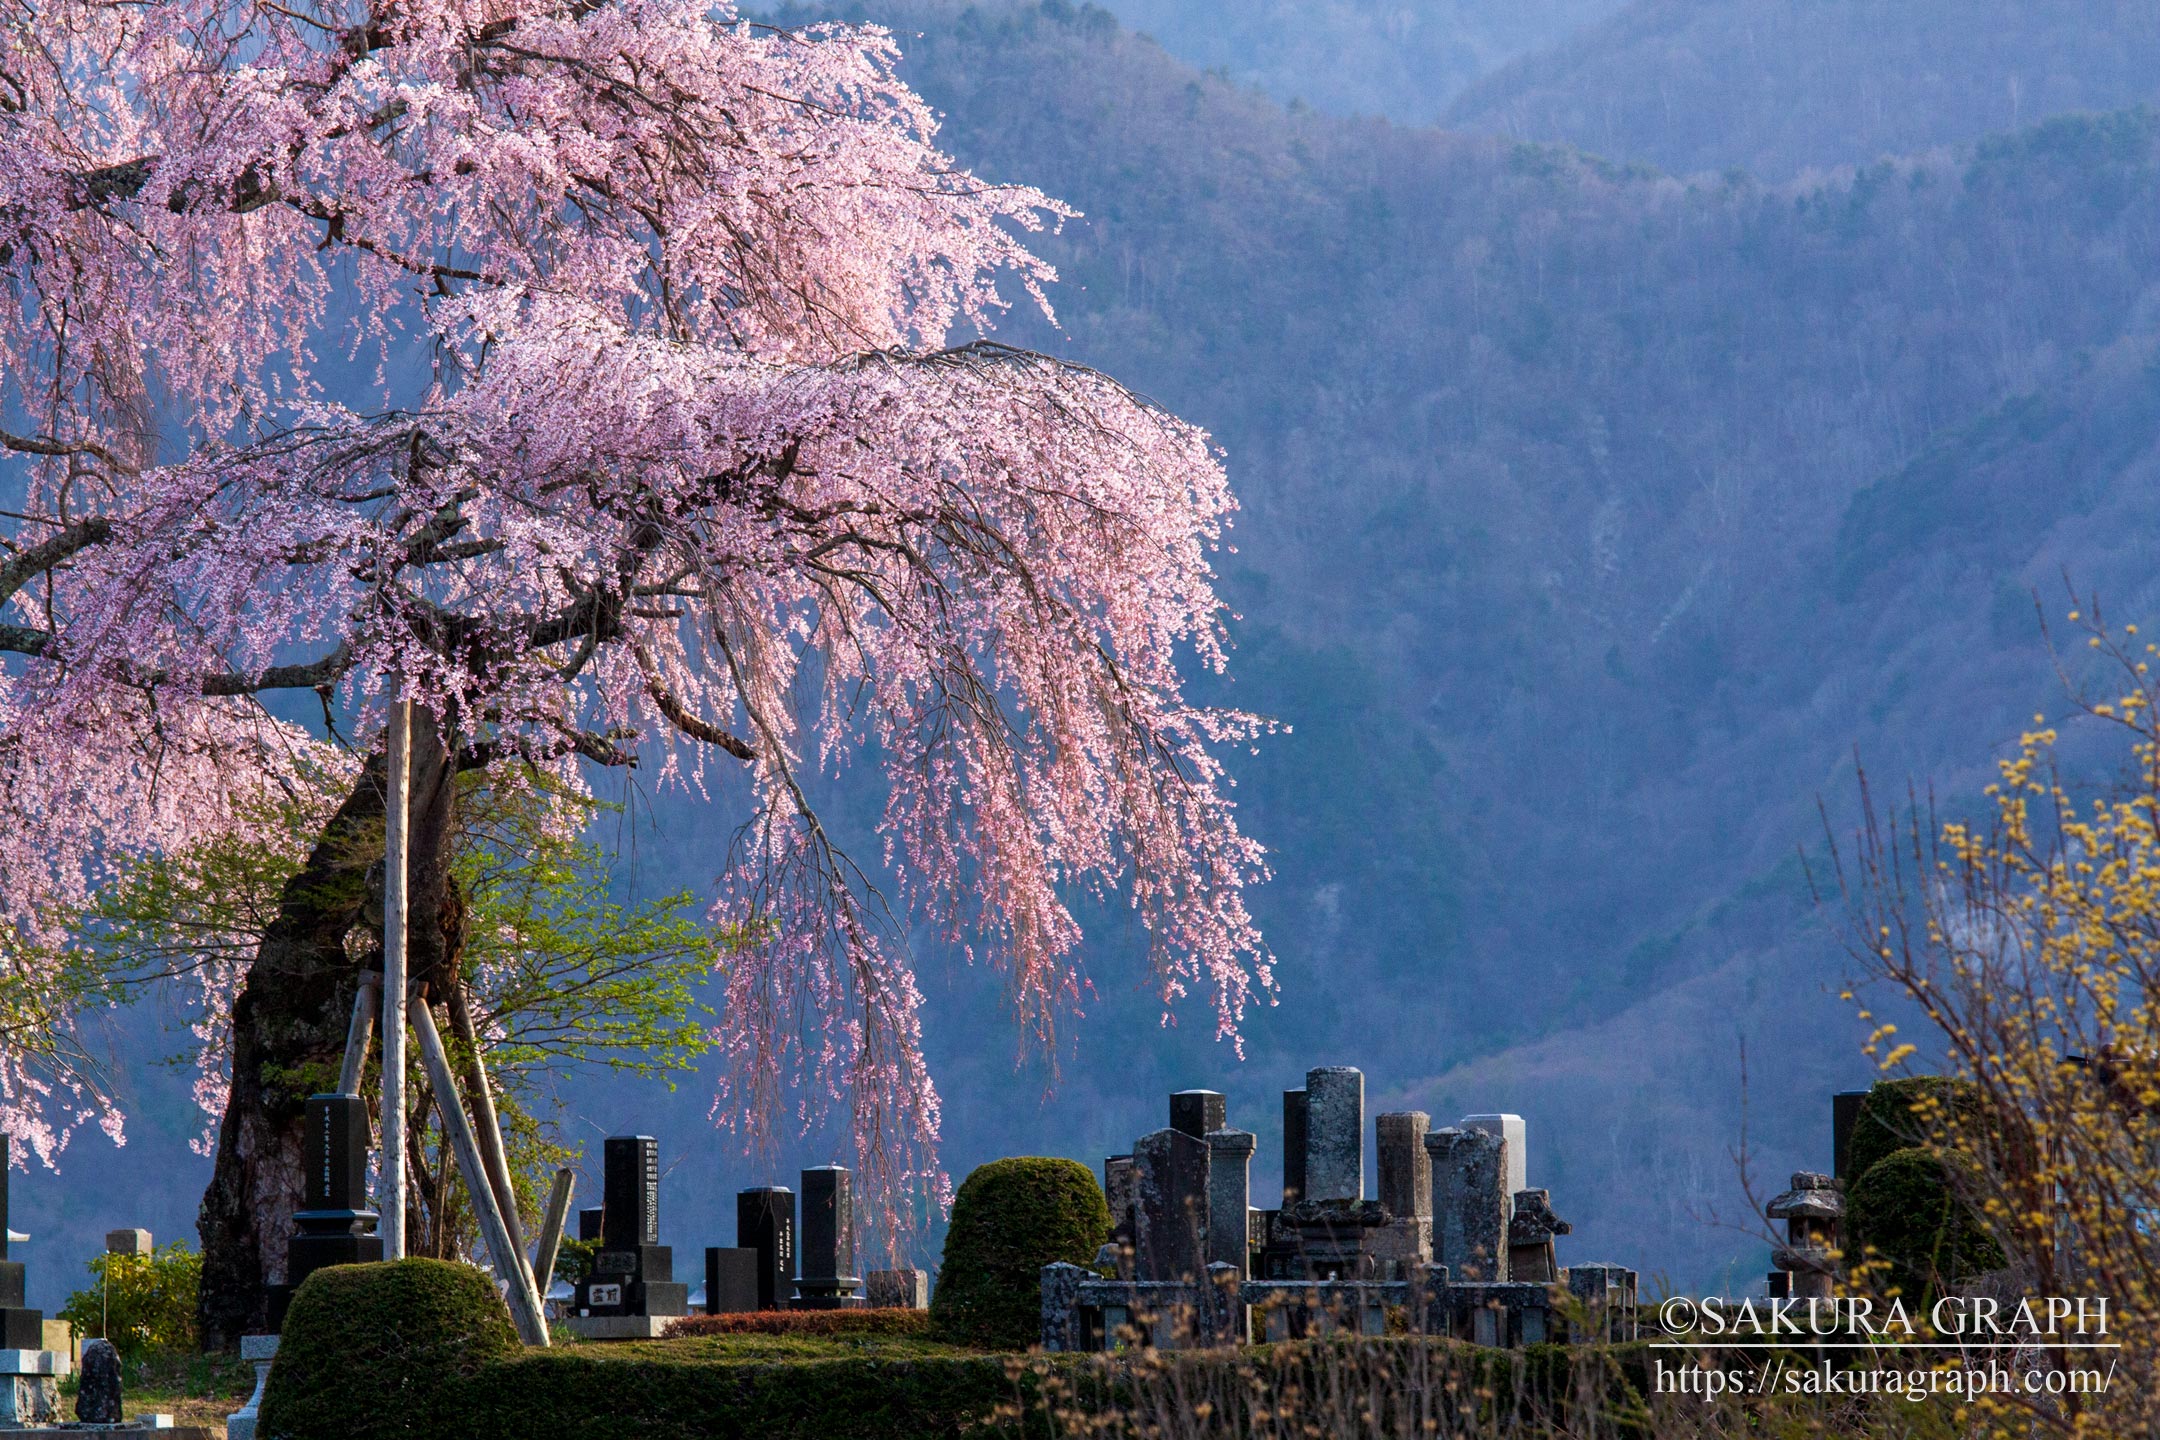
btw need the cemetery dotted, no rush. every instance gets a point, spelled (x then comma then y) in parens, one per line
(788, 1328)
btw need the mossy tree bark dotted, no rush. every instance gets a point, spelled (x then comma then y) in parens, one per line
(289, 1023)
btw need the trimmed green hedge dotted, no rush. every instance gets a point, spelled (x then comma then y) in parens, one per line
(372, 1351)
(804, 1322)
(573, 1391)
(1011, 1218)
(1906, 1208)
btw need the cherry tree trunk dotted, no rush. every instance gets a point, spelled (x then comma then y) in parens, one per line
(289, 1025)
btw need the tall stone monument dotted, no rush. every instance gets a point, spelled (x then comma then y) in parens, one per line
(1403, 1246)
(765, 1222)
(333, 1225)
(1405, 1169)
(1121, 1190)
(1335, 1133)
(828, 1280)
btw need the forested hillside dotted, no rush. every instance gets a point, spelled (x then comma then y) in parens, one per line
(1593, 518)
(1775, 86)
(1404, 59)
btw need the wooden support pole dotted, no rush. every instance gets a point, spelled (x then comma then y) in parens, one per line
(525, 1311)
(486, 1128)
(359, 1034)
(552, 1225)
(397, 819)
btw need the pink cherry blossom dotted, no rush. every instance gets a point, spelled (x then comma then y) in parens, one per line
(698, 479)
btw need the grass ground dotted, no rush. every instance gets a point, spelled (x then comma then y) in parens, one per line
(193, 1389)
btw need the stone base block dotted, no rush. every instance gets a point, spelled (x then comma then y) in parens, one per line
(21, 1329)
(618, 1327)
(29, 1400)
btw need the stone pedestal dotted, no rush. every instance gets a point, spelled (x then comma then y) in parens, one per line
(30, 1387)
(259, 1351)
(1335, 1239)
(731, 1280)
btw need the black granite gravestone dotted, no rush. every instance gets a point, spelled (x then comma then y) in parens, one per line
(731, 1280)
(333, 1225)
(632, 1274)
(1293, 1147)
(1844, 1119)
(1199, 1112)
(765, 1222)
(630, 1192)
(829, 1281)
(588, 1224)
(21, 1328)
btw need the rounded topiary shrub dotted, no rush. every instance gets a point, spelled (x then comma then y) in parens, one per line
(1908, 1210)
(1011, 1218)
(1901, 1114)
(367, 1350)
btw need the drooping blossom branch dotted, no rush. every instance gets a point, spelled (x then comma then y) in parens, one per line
(696, 480)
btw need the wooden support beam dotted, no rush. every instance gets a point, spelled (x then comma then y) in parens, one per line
(552, 1225)
(397, 822)
(359, 1035)
(525, 1311)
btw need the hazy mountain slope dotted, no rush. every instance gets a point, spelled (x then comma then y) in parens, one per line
(1404, 59)
(1592, 518)
(1547, 471)
(1775, 86)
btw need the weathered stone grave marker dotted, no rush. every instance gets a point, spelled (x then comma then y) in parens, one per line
(1171, 1205)
(1471, 1202)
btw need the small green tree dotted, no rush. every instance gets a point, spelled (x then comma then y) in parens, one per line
(144, 1304)
(560, 972)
